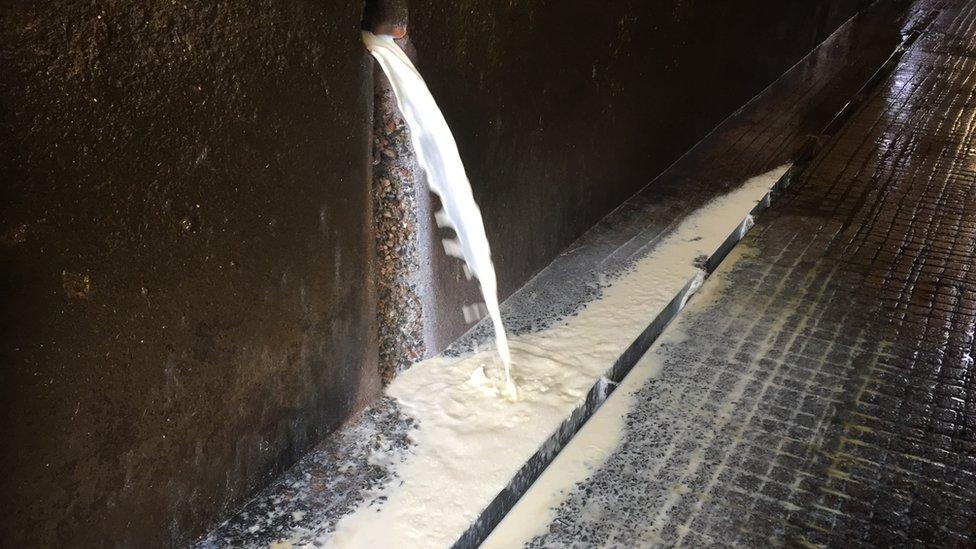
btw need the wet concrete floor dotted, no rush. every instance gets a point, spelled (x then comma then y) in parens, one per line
(822, 391)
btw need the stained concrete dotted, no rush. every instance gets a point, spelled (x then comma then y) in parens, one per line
(401, 213)
(186, 258)
(776, 128)
(819, 392)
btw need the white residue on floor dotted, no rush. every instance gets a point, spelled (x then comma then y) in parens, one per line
(470, 441)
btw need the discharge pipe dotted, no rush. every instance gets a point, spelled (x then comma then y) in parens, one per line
(387, 17)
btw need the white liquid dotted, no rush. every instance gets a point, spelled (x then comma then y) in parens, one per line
(468, 443)
(437, 153)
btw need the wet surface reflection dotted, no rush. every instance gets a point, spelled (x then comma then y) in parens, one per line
(823, 391)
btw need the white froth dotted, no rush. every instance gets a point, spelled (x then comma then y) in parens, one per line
(586, 452)
(470, 441)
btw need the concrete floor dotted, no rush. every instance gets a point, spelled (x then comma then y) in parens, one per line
(822, 391)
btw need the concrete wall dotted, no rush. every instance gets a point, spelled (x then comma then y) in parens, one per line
(186, 279)
(563, 109)
(185, 227)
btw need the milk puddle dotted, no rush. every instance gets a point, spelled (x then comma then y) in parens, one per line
(437, 153)
(469, 442)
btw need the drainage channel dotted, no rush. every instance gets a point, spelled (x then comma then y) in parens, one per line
(601, 390)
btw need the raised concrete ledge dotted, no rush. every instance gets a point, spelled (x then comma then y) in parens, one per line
(777, 127)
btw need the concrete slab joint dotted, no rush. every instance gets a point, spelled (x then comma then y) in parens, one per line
(401, 216)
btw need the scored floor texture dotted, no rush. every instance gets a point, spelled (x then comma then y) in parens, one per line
(823, 392)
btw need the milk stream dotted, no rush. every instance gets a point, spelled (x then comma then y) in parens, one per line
(438, 155)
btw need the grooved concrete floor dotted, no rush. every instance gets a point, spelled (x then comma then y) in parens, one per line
(822, 390)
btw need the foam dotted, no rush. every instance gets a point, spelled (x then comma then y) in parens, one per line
(469, 440)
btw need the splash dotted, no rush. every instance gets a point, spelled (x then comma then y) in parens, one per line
(438, 155)
(468, 444)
